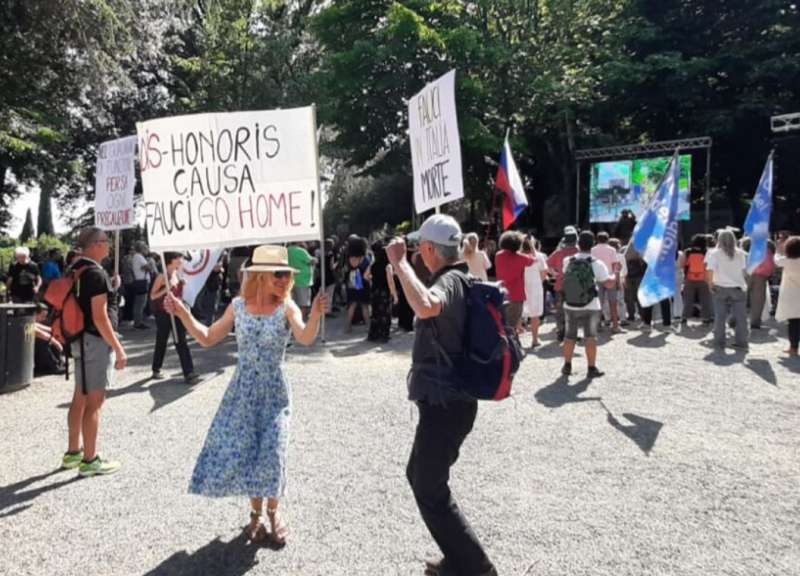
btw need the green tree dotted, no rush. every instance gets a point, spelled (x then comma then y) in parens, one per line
(44, 219)
(28, 230)
(531, 66)
(242, 54)
(701, 68)
(60, 55)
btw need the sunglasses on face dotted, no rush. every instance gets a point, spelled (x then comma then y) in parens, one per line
(282, 274)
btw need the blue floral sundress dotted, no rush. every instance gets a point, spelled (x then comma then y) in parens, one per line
(245, 450)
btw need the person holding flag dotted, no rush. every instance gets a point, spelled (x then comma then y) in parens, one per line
(508, 181)
(656, 238)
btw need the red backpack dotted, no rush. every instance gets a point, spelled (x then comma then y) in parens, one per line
(62, 296)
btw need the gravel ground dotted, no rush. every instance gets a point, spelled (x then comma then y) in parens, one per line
(681, 460)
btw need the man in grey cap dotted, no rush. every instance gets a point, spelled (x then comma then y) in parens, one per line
(446, 416)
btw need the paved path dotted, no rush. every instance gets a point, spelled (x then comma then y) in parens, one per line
(680, 461)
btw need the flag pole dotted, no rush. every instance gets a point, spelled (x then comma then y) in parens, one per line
(319, 219)
(116, 252)
(169, 289)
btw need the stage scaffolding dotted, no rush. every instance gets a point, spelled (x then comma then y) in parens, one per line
(638, 150)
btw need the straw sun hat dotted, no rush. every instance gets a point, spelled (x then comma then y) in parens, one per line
(270, 259)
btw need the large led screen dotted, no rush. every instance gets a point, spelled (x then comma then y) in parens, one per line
(629, 185)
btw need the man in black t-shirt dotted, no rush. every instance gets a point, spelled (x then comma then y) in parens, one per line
(97, 351)
(24, 279)
(446, 416)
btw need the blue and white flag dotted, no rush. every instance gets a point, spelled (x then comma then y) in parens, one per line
(756, 226)
(660, 245)
(648, 219)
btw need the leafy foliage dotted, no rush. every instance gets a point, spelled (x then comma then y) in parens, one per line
(560, 75)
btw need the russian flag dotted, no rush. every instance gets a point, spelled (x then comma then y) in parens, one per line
(509, 182)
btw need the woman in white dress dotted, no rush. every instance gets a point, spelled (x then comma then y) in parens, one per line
(534, 291)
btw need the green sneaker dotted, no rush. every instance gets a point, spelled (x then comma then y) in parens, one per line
(71, 460)
(98, 466)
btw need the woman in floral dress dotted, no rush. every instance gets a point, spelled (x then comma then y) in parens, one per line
(245, 450)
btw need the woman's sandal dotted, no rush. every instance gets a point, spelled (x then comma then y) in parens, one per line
(256, 532)
(279, 530)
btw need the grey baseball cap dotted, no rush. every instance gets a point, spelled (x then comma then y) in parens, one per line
(439, 229)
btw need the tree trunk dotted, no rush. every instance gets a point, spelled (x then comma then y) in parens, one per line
(44, 221)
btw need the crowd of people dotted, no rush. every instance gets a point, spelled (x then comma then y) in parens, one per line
(272, 296)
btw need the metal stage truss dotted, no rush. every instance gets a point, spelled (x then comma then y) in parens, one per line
(637, 150)
(785, 123)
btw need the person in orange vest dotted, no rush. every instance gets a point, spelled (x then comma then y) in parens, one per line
(695, 285)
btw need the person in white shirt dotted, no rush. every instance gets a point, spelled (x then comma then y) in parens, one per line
(788, 258)
(476, 259)
(581, 304)
(725, 274)
(620, 270)
(533, 307)
(607, 291)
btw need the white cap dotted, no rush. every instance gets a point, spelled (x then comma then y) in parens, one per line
(22, 251)
(440, 229)
(570, 231)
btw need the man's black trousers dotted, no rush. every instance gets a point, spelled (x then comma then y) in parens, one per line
(440, 432)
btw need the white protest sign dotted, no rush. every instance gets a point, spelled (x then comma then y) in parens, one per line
(114, 182)
(196, 270)
(435, 145)
(230, 179)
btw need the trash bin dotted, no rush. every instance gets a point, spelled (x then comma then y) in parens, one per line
(17, 336)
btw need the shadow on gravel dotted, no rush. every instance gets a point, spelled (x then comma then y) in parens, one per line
(721, 358)
(217, 558)
(365, 346)
(15, 494)
(694, 332)
(643, 431)
(133, 388)
(648, 340)
(764, 370)
(551, 350)
(762, 337)
(163, 392)
(559, 393)
(791, 364)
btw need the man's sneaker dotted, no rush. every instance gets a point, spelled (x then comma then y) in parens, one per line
(71, 460)
(593, 372)
(566, 369)
(192, 378)
(157, 375)
(98, 466)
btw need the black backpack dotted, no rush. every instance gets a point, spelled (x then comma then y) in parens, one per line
(579, 286)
